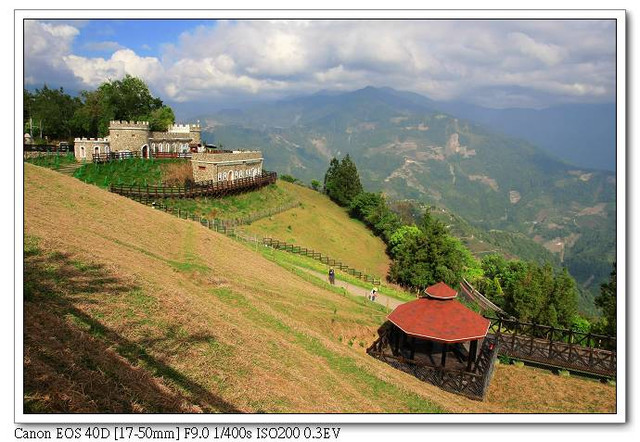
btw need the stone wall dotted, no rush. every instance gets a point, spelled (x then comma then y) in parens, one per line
(84, 148)
(128, 135)
(226, 166)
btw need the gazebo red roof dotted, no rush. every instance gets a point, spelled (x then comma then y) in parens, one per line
(437, 320)
(441, 291)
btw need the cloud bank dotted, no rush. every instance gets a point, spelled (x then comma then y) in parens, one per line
(495, 63)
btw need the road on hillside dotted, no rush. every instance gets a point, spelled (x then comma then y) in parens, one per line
(390, 303)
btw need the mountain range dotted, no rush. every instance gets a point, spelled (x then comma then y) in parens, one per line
(409, 147)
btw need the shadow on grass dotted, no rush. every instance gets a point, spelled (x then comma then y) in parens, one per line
(75, 364)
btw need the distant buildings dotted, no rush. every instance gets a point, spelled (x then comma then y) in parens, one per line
(135, 136)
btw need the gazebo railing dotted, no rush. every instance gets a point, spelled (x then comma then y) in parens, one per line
(556, 347)
(473, 384)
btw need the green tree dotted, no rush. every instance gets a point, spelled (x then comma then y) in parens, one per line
(126, 99)
(315, 185)
(428, 257)
(51, 112)
(342, 182)
(129, 98)
(161, 118)
(607, 302)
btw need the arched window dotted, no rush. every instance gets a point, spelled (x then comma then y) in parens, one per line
(83, 154)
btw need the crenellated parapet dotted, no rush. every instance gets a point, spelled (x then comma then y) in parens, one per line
(91, 140)
(118, 124)
(179, 128)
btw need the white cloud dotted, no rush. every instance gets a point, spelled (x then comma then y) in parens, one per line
(45, 45)
(93, 71)
(447, 59)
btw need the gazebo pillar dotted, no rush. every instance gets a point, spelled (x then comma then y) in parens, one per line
(445, 348)
(473, 351)
(413, 347)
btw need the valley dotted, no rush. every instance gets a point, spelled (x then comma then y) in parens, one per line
(407, 149)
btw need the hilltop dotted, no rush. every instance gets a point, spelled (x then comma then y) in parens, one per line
(129, 309)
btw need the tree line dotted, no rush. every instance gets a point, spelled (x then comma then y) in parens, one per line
(424, 253)
(53, 114)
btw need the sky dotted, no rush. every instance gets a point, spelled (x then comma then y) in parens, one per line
(493, 63)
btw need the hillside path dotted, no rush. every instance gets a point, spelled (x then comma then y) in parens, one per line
(390, 303)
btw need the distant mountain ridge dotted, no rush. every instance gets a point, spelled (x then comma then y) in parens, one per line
(407, 147)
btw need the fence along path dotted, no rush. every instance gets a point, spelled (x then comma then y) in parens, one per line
(556, 347)
(471, 294)
(215, 189)
(228, 223)
(542, 344)
(292, 248)
(229, 228)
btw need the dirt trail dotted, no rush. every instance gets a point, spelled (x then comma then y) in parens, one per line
(390, 303)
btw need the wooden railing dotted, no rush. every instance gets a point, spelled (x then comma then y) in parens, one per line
(556, 347)
(472, 384)
(211, 189)
(292, 248)
(102, 158)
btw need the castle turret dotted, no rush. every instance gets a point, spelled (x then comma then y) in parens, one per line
(129, 135)
(194, 132)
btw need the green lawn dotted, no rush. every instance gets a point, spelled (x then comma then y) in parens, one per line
(136, 171)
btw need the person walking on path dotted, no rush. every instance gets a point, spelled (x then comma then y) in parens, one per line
(332, 276)
(372, 295)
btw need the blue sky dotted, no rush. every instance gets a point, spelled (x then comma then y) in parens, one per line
(495, 63)
(145, 37)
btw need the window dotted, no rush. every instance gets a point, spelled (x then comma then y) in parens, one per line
(202, 167)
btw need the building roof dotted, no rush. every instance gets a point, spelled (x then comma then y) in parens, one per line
(441, 291)
(438, 320)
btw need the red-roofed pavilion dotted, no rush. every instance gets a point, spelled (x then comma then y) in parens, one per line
(437, 324)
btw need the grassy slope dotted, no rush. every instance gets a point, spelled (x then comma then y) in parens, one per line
(236, 206)
(131, 309)
(327, 228)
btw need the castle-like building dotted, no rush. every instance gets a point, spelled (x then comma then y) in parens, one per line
(135, 136)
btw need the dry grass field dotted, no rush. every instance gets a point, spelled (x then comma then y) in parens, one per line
(327, 228)
(128, 309)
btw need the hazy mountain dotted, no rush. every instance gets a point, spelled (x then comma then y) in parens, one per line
(581, 134)
(403, 145)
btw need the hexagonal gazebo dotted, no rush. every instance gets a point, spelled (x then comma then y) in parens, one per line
(437, 327)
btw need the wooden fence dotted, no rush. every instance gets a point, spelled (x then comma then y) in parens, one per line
(292, 248)
(556, 347)
(102, 158)
(472, 384)
(211, 189)
(471, 294)
(228, 223)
